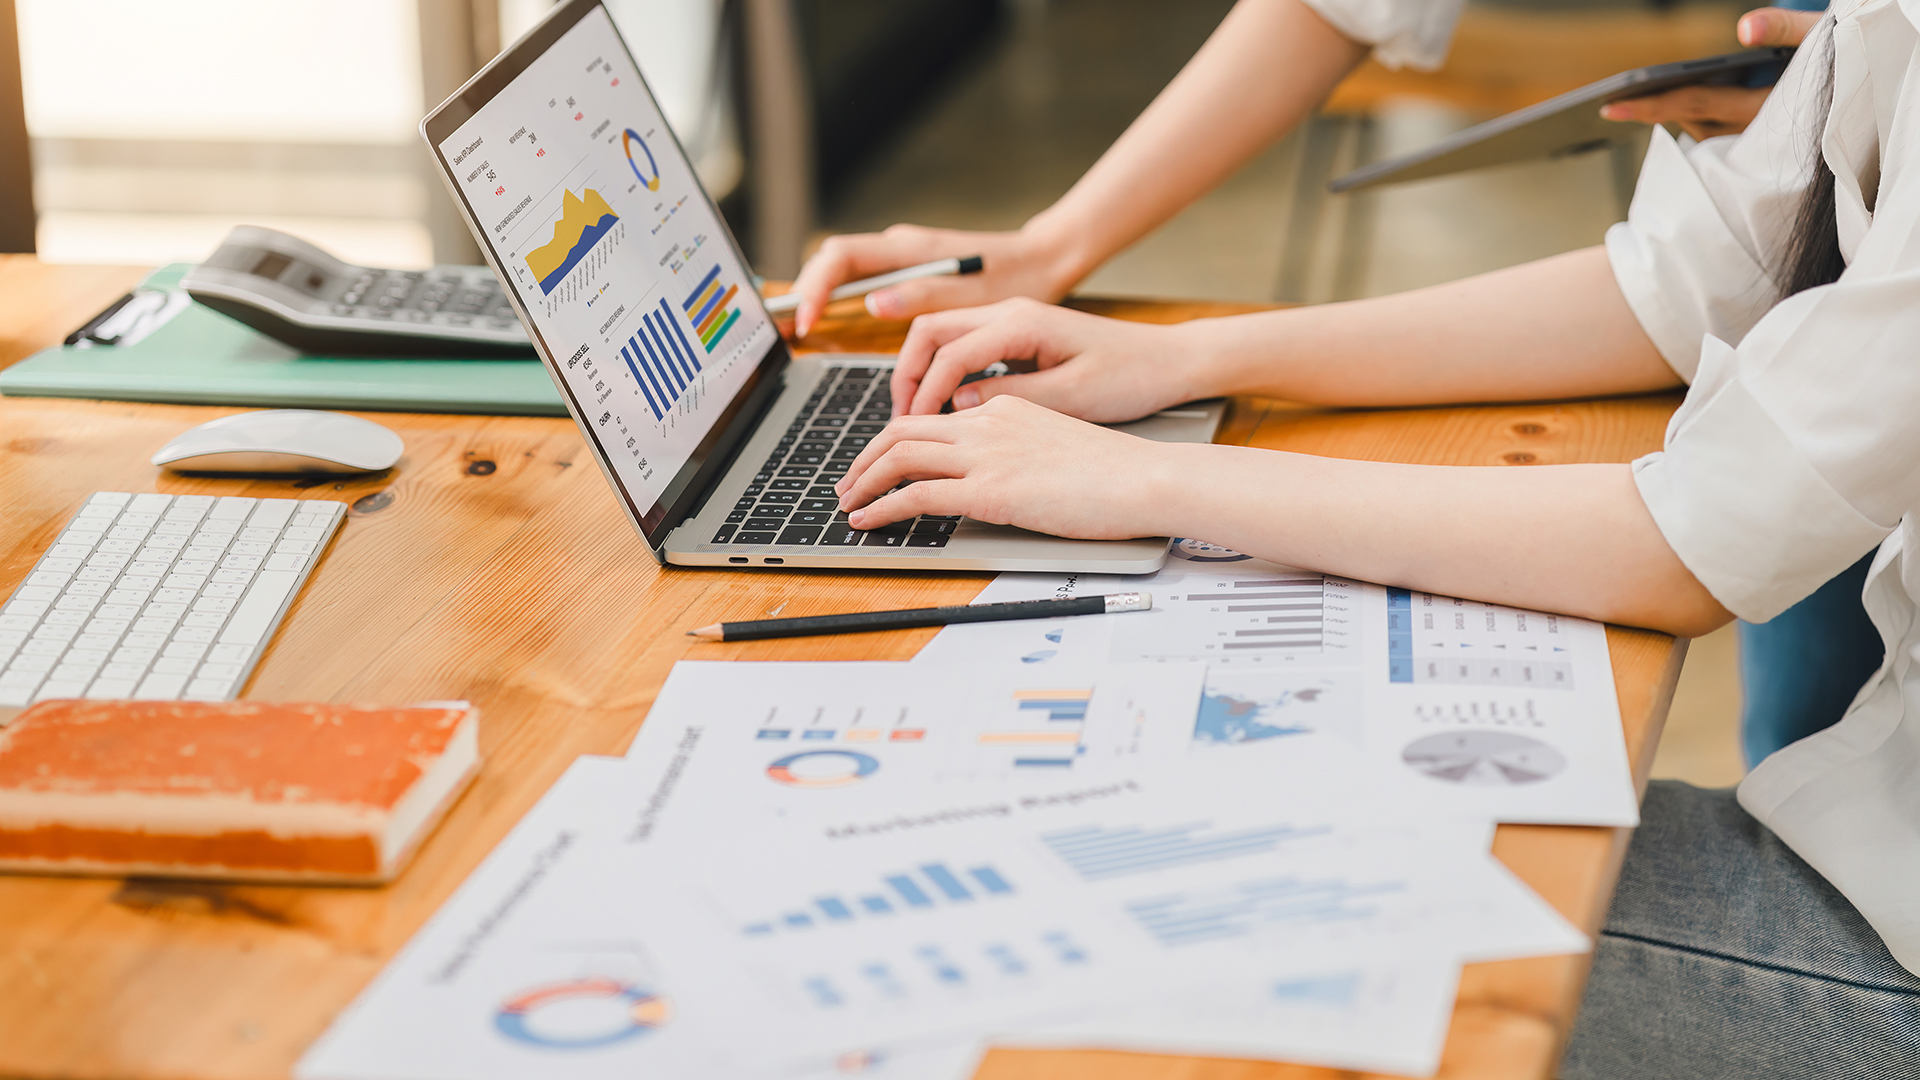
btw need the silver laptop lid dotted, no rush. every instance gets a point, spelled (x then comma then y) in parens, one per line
(630, 284)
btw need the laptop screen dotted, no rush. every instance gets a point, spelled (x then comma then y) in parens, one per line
(634, 290)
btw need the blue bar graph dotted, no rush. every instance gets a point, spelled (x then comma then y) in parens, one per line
(627, 355)
(679, 335)
(1096, 853)
(910, 891)
(664, 391)
(671, 374)
(944, 880)
(700, 288)
(929, 886)
(990, 879)
(1399, 635)
(667, 356)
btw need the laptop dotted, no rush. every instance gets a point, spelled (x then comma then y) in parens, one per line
(722, 446)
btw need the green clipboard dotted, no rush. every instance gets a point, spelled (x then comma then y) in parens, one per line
(201, 357)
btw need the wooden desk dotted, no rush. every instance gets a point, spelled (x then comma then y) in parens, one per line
(493, 564)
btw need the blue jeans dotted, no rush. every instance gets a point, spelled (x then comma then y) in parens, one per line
(1799, 672)
(1727, 956)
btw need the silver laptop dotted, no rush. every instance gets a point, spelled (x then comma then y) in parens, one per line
(722, 445)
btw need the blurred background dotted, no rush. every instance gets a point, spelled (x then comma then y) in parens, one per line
(150, 130)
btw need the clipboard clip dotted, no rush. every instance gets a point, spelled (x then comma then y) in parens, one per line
(128, 319)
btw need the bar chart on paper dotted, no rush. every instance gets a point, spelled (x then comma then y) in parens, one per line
(1443, 639)
(1258, 615)
(1041, 729)
(926, 887)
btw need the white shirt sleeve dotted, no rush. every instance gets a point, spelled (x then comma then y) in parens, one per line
(1403, 33)
(1707, 219)
(1798, 449)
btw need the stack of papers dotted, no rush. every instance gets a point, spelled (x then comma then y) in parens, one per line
(1251, 822)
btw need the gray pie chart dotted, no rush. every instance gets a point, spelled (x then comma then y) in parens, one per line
(1483, 759)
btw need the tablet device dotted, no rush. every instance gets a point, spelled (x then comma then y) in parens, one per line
(1566, 125)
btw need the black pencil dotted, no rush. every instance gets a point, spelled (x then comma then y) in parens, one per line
(862, 621)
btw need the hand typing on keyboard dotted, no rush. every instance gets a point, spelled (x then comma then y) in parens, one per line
(158, 596)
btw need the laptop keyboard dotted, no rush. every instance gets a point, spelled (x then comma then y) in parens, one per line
(158, 597)
(791, 499)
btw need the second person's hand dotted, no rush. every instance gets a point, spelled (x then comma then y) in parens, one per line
(1022, 263)
(1706, 111)
(1103, 370)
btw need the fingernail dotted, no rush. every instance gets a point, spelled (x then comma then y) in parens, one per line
(801, 326)
(1611, 112)
(965, 398)
(856, 517)
(883, 304)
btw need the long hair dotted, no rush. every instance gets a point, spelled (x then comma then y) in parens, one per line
(1812, 255)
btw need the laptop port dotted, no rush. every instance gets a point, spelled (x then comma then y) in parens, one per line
(737, 558)
(773, 562)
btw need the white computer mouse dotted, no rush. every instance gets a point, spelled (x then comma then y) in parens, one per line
(283, 441)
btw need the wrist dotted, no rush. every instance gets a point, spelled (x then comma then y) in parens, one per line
(1064, 251)
(1204, 360)
(1164, 502)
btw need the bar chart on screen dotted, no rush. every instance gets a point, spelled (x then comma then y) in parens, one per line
(710, 308)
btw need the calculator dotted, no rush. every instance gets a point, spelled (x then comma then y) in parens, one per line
(298, 294)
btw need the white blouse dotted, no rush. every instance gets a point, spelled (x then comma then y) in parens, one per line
(1403, 33)
(1797, 449)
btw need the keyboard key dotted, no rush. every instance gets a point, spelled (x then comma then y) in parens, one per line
(780, 497)
(213, 603)
(95, 589)
(211, 619)
(804, 459)
(841, 534)
(826, 505)
(130, 672)
(744, 504)
(800, 534)
(877, 538)
(36, 592)
(809, 518)
(832, 470)
(797, 470)
(754, 538)
(787, 485)
(132, 655)
(757, 524)
(181, 649)
(158, 687)
(230, 577)
(928, 540)
(285, 561)
(273, 513)
(174, 665)
(865, 429)
(830, 421)
(724, 535)
(52, 690)
(208, 690)
(925, 525)
(779, 510)
(255, 614)
(736, 517)
(823, 491)
(229, 654)
(110, 689)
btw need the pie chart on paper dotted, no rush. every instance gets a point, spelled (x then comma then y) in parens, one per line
(1483, 759)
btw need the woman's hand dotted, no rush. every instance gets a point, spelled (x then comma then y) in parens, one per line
(1706, 111)
(1011, 462)
(1103, 370)
(1024, 263)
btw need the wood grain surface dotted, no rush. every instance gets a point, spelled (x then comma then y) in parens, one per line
(493, 564)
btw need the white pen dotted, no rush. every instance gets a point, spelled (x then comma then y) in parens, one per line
(971, 264)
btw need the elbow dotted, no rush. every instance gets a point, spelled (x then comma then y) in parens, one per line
(1683, 608)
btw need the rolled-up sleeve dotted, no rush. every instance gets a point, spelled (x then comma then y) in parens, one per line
(1798, 451)
(1693, 257)
(1403, 33)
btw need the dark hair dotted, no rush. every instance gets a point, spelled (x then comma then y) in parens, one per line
(1813, 255)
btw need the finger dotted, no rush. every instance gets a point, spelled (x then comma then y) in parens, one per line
(1050, 387)
(927, 334)
(1012, 336)
(913, 298)
(842, 259)
(924, 428)
(905, 462)
(1644, 110)
(947, 495)
(1775, 26)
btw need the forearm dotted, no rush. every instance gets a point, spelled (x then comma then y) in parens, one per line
(1554, 328)
(1567, 538)
(1267, 67)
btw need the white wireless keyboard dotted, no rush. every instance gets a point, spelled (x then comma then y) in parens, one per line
(159, 597)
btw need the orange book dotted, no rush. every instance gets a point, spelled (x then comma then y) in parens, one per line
(236, 789)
